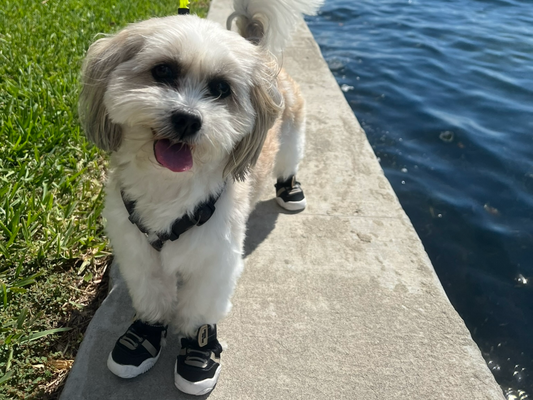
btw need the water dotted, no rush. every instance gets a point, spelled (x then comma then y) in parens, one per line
(444, 91)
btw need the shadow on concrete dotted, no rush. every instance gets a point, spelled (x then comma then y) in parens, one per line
(261, 222)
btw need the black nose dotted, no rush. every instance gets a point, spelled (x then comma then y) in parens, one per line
(186, 123)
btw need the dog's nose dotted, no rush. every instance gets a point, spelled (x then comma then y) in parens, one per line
(186, 123)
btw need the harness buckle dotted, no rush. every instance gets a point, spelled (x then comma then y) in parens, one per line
(205, 213)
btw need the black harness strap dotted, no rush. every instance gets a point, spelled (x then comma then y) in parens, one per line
(202, 213)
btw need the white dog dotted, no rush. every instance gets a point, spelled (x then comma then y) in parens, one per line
(199, 121)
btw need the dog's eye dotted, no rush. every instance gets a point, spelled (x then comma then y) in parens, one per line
(219, 89)
(164, 73)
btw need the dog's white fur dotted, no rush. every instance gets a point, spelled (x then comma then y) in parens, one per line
(247, 139)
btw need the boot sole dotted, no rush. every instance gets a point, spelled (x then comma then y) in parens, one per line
(131, 371)
(195, 388)
(291, 205)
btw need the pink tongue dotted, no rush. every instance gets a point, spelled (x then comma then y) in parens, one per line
(176, 157)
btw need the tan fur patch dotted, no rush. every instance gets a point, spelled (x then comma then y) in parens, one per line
(294, 110)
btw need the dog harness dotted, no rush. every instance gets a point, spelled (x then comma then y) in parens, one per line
(201, 215)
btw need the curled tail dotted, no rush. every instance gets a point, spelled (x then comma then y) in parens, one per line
(270, 23)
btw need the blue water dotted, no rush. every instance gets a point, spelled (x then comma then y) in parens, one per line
(444, 91)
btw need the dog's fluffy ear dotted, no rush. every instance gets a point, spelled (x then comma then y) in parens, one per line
(267, 102)
(102, 58)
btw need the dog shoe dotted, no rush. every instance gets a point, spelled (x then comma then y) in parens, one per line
(198, 363)
(290, 195)
(137, 350)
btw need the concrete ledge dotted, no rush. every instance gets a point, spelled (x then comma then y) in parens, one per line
(337, 302)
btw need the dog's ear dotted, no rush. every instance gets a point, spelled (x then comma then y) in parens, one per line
(267, 102)
(102, 58)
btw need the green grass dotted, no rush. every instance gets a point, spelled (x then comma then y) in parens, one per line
(51, 237)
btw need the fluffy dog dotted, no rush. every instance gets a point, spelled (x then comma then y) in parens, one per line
(199, 120)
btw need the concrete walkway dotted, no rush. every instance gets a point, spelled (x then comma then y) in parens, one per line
(337, 302)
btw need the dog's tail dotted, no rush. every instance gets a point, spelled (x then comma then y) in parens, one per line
(270, 23)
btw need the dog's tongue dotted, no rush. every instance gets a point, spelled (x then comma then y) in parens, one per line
(176, 157)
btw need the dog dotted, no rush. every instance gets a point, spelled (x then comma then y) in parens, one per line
(200, 121)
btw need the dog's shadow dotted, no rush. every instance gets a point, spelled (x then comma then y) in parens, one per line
(261, 222)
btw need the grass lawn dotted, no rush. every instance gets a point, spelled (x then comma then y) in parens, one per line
(53, 254)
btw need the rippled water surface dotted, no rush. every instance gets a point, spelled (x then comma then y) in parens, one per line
(444, 91)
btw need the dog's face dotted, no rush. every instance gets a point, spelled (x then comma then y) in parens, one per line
(180, 92)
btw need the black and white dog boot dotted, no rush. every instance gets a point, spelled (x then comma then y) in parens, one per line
(289, 194)
(137, 350)
(198, 363)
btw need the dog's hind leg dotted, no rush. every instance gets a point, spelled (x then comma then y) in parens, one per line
(289, 194)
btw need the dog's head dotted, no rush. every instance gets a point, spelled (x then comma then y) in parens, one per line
(180, 91)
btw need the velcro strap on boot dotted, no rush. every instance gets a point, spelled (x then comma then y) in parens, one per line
(206, 334)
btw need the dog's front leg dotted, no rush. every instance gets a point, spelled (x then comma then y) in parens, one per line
(205, 296)
(203, 300)
(152, 290)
